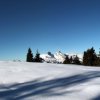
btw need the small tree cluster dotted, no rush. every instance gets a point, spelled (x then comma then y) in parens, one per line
(90, 58)
(37, 57)
(30, 58)
(67, 60)
(72, 60)
(76, 60)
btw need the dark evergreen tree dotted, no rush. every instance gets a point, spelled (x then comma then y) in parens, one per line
(71, 59)
(29, 57)
(76, 60)
(89, 57)
(67, 60)
(37, 57)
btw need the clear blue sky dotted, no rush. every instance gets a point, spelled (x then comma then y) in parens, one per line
(48, 25)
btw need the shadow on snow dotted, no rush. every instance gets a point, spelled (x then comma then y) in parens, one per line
(52, 87)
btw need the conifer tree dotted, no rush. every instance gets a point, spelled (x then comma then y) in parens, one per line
(89, 57)
(29, 57)
(67, 60)
(37, 57)
(71, 59)
(76, 60)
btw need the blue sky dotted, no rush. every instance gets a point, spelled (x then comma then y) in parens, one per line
(48, 25)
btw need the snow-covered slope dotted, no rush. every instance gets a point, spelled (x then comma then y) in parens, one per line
(43, 81)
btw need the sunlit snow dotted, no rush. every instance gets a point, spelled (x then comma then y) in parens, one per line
(45, 81)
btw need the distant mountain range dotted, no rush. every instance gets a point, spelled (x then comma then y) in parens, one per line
(59, 57)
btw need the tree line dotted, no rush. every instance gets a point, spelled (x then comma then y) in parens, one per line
(72, 60)
(30, 58)
(90, 58)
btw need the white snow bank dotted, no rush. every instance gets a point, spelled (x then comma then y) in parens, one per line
(43, 81)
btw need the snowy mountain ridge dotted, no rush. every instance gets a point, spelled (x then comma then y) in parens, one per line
(59, 57)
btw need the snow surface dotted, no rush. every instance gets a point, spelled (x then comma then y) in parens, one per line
(43, 81)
